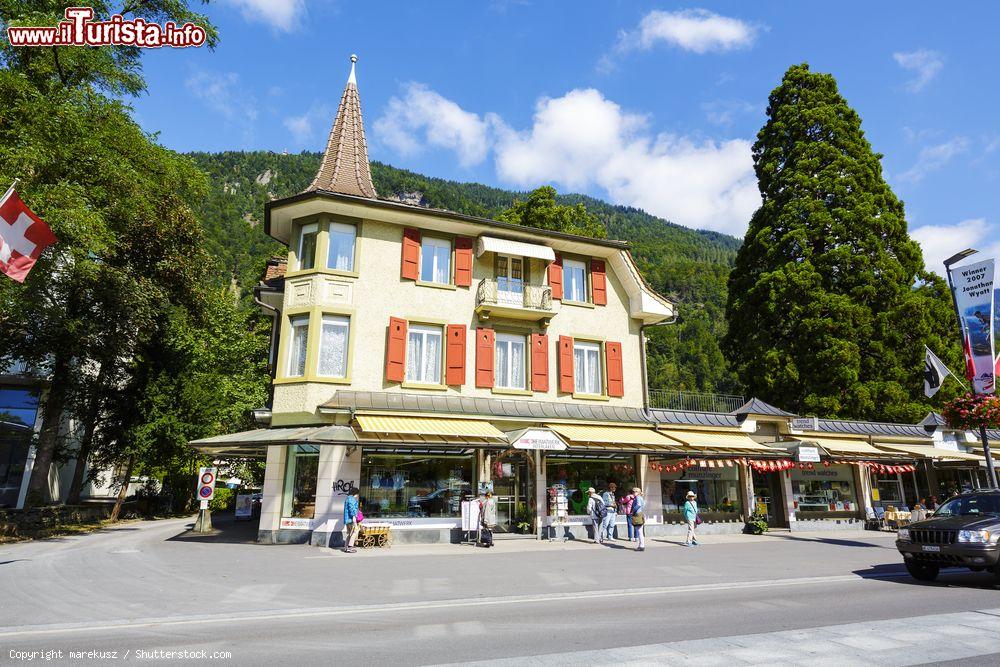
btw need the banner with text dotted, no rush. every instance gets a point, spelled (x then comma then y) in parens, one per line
(974, 294)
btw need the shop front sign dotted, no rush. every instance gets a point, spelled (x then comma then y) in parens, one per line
(807, 455)
(539, 440)
(805, 424)
(293, 523)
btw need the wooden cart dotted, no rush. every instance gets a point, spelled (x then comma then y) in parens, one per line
(375, 535)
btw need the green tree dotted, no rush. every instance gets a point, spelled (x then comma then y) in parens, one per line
(829, 305)
(542, 211)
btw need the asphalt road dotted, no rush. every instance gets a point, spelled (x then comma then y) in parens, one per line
(145, 588)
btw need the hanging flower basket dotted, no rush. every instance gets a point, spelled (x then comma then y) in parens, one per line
(972, 412)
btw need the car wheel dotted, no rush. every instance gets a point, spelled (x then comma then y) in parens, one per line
(923, 571)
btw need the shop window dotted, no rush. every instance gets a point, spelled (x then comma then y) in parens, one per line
(341, 253)
(574, 280)
(423, 354)
(300, 482)
(435, 260)
(577, 475)
(415, 486)
(18, 408)
(510, 361)
(333, 346)
(587, 368)
(306, 252)
(823, 490)
(299, 345)
(717, 490)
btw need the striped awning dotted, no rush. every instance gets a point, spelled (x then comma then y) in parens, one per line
(930, 452)
(704, 441)
(515, 248)
(612, 436)
(454, 428)
(843, 447)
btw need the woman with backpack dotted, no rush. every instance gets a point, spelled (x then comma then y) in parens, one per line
(597, 512)
(639, 517)
(691, 516)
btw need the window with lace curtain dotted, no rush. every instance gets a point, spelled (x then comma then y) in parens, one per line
(333, 346)
(424, 351)
(587, 368)
(435, 260)
(341, 253)
(509, 368)
(306, 252)
(300, 343)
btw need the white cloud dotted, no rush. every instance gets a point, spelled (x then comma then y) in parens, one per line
(582, 140)
(423, 118)
(932, 158)
(697, 30)
(924, 64)
(222, 92)
(939, 242)
(724, 112)
(283, 15)
(305, 129)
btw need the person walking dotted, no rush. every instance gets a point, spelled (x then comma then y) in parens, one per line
(691, 516)
(351, 511)
(597, 512)
(639, 518)
(611, 507)
(487, 519)
(626, 508)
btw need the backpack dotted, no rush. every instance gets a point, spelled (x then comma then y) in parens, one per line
(600, 511)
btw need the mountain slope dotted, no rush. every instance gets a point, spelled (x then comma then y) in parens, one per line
(689, 266)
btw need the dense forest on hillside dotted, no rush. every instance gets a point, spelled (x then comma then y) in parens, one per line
(690, 267)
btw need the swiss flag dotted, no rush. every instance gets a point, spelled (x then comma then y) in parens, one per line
(23, 237)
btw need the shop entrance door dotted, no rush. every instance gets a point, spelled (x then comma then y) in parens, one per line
(513, 476)
(769, 498)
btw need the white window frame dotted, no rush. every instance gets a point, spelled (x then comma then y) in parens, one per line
(305, 230)
(297, 323)
(345, 227)
(342, 321)
(592, 351)
(435, 242)
(509, 340)
(425, 331)
(568, 265)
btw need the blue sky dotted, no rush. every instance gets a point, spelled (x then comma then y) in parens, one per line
(647, 104)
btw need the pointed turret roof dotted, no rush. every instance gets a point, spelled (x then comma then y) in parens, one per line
(345, 167)
(755, 406)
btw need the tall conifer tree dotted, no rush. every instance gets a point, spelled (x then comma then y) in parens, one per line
(829, 305)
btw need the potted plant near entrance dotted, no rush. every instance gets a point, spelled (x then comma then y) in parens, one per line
(756, 524)
(522, 519)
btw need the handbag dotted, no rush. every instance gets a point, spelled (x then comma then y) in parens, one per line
(697, 519)
(638, 519)
(359, 517)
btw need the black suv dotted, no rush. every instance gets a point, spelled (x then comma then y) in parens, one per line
(962, 532)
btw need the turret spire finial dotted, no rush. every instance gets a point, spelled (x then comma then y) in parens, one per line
(352, 78)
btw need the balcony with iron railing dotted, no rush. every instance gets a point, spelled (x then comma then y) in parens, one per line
(514, 299)
(663, 399)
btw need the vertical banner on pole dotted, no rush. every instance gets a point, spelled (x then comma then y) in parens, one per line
(974, 297)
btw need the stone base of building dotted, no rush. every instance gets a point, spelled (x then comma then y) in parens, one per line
(818, 525)
(283, 536)
(582, 532)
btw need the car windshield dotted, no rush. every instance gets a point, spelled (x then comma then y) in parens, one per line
(971, 505)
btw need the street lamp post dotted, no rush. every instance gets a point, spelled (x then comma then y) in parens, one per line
(990, 470)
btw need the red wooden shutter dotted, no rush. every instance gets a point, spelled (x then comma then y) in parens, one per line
(599, 282)
(410, 267)
(485, 339)
(463, 261)
(566, 377)
(555, 278)
(539, 362)
(616, 374)
(455, 356)
(395, 353)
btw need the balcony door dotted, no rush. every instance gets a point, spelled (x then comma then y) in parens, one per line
(512, 274)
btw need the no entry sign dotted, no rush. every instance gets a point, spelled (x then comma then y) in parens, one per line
(206, 483)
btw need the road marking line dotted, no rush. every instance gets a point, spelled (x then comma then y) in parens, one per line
(29, 630)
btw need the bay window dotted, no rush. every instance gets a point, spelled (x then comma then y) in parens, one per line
(341, 253)
(510, 357)
(299, 345)
(574, 280)
(588, 375)
(423, 354)
(333, 341)
(435, 260)
(301, 473)
(306, 252)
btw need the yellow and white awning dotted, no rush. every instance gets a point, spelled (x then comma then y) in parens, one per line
(424, 426)
(722, 442)
(930, 452)
(844, 447)
(614, 437)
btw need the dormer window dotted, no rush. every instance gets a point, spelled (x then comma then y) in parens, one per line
(306, 251)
